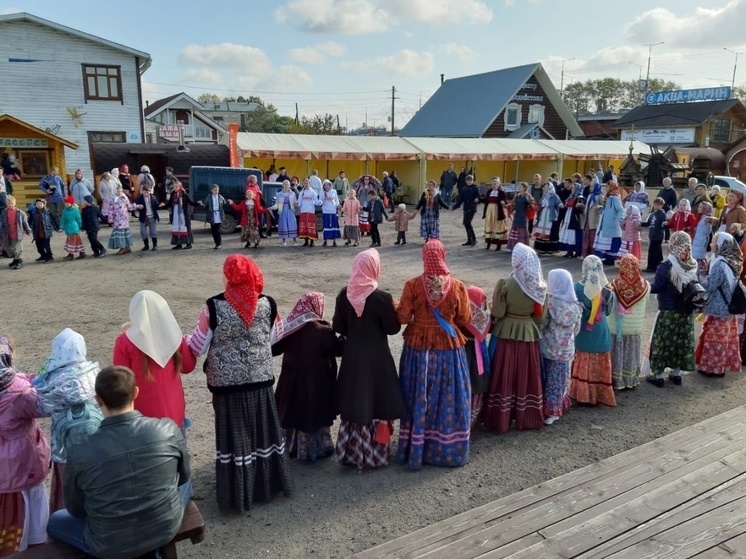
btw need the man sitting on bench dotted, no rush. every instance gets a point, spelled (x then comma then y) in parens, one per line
(125, 488)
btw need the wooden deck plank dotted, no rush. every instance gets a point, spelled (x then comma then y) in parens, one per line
(736, 547)
(699, 507)
(668, 453)
(689, 538)
(590, 500)
(616, 517)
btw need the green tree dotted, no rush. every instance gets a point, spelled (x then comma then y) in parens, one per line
(325, 124)
(266, 119)
(208, 98)
(609, 94)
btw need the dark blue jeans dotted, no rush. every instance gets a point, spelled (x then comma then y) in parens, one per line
(65, 527)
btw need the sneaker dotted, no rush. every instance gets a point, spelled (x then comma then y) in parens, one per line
(466, 244)
(103, 252)
(217, 247)
(49, 259)
(18, 266)
(176, 247)
(69, 257)
(551, 419)
(41, 259)
(187, 247)
(655, 381)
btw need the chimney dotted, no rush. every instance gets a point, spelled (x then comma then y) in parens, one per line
(442, 78)
(147, 104)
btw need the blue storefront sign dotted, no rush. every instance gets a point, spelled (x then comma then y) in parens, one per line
(688, 95)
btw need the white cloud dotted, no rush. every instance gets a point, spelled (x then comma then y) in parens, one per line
(462, 52)
(350, 17)
(297, 76)
(203, 75)
(703, 28)
(356, 17)
(406, 62)
(226, 55)
(317, 54)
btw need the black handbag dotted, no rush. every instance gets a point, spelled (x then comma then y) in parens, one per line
(737, 304)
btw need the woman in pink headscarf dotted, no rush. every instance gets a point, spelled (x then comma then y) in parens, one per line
(368, 395)
(434, 369)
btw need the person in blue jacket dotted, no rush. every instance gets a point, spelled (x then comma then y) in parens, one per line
(54, 187)
(609, 233)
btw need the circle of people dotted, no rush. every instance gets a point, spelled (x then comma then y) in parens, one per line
(520, 359)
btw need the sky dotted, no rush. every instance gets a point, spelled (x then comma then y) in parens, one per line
(344, 56)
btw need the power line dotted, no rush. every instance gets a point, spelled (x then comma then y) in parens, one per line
(268, 92)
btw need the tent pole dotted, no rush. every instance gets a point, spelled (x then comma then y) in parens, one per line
(561, 164)
(308, 168)
(517, 166)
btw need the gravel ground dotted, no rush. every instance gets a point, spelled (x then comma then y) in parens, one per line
(335, 511)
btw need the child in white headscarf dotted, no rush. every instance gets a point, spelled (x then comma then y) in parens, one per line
(67, 381)
(558, 342)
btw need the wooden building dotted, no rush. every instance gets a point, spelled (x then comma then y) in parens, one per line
(519, 103)
(36, 151)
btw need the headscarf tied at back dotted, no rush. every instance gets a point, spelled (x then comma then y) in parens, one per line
(730, 254)
(364, 279)
(244, 285)
(593, 281)
(436, 277)
(527, 273)
(68, 348)
(7, 372)
(547, 196)
(481, 322)
(630, 287)
(309, 308)
(561, 286)
(153, 328)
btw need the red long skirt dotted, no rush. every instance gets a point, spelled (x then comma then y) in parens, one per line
(307, 226)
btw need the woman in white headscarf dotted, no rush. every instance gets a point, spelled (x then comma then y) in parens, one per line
(591, 369)
(153, 346)
(558, 342)
(106, 191)
(547, 228)
(640, 199)
(518, 306)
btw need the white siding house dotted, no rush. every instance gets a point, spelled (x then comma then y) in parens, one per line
(164, 117)
(77, 86)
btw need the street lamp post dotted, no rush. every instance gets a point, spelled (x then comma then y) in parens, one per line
(735, 65)
(647, 75)
(562, 75)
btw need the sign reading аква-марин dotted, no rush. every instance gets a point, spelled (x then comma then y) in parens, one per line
(688, 95)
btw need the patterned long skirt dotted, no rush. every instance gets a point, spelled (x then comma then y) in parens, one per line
(250, 231)
(591, 379)
(120, 238)
(515, 388)
(74, 244)
(362, 445)
(672, 343)
(287, 226)
(607, 248)
(331, 227)
(547, 242)
(631, 247)
(626, 360)
(495, 230)
(436, 389)
(718, 350)
(571, 240)
(517, 235)
(251, 462)
(430, 225)
(309, 446)
(23, 519)
(364, 225)
(556, 387)
(307, 227)
(589, 238)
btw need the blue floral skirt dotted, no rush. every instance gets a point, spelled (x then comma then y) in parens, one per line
(436, 389)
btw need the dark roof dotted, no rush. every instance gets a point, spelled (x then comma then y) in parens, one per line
(676, 114)
(107, 155)
(155, 105)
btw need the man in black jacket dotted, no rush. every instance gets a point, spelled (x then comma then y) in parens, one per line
(448, 181)
(127, 486)
(668, 193)
(90, 215)
(469, 198)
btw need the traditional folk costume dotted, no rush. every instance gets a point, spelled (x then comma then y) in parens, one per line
(429, 208)
(351, 211)
(627, 322)
(571, 234)
(609, 233)
(518, 307)
(672, 341)
(308, 200)
(181, 220)
(683, 219)
(701, 241)
(24, 460)
(329, 207)
(495, 230)
(249, 216)
(591, 217)
(477, 354)
(718, 350)
(251, 461)
(522, 204)
(546, 231)
(71, 222)
(631, 227)
(287, 226)
(121, 237)
(557, 344)
(434, 370)
(591, 370)
(369, 397)
(305, 390)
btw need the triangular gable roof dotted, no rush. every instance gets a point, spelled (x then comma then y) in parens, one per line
(465, 107)
(39, 131)
(145, 59)
(161, 105)
(676, 114)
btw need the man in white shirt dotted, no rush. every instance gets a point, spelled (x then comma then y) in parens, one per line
(316, 183)
(215, 214)
(5, 184)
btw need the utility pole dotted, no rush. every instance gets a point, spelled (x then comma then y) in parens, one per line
(393, 101)
(296, 114)
(647, 75)
(735, 65)
(562, 75)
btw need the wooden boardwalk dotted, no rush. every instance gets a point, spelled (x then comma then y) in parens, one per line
(680, 496)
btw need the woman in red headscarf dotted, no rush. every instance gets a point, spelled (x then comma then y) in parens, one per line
(434, 370)
(368, 395)
(236, 330)
(305, 391)
(477, 356)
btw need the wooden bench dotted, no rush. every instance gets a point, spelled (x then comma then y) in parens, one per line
(192, 529)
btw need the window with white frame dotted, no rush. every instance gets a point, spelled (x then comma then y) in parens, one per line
(536, 114)
(512, 116)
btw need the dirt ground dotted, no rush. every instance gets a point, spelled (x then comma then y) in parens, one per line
(334, 511)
